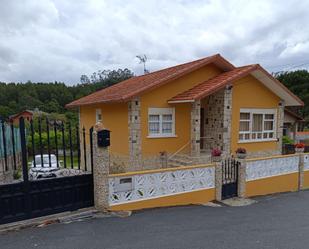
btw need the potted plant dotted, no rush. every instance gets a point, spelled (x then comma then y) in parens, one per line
(216, 155)
(299, 147)
(241, 153)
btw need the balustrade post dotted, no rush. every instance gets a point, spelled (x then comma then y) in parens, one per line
(241, 188)
(100, 172)
(301, 170)
(218, 181)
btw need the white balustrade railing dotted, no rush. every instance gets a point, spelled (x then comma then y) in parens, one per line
(258, 169)
(124, 189)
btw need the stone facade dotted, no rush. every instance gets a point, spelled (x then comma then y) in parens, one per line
(134, 124)
(218, 181)
(7, 174)
(227, 120)
(242, 178)
(280, 122)
(217, 120)
(100, 175)
(195, 128)
(301, 169)
(263, 153)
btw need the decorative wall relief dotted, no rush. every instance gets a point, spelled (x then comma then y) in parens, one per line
(271, 167)
(146, 186)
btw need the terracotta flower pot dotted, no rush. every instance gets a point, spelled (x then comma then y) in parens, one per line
(241, 155)
(299, 150)
(216, 158)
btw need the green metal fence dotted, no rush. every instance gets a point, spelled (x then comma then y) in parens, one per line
(7, 141)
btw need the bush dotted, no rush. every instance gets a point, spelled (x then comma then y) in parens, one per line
(287, 140)
(52, 144)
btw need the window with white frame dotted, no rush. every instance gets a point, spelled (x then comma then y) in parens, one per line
(98, 115)
(257, 124)
(161, 122)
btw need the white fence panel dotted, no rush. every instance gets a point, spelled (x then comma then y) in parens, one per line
(153, 185)
(271, 167)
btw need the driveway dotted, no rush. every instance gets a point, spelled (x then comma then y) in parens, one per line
(280, 221)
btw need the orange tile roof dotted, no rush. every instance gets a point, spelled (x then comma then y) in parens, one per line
(212, 85)
(134, 86)
(302, 133)
(138, 85)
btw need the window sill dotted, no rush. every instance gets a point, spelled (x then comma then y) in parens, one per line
(162, 136)
(257, 141)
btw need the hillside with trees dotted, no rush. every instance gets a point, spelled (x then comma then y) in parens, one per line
(52, 97)
(298, 83)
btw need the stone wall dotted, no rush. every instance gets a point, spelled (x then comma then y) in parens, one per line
(262, 153)
(280, 122)
(7, 174)
(134, 124)
(217, 120)
(195, 128)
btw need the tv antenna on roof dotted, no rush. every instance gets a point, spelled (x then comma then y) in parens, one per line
(143, 59)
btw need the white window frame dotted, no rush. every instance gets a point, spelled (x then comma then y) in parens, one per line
(161, 112)
(250, 132)
(97, 113)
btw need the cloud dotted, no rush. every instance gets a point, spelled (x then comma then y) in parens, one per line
(60, 40)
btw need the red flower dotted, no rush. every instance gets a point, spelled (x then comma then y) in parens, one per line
(299, 145)
(216, 152)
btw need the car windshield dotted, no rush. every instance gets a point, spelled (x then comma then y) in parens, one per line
(38, 161)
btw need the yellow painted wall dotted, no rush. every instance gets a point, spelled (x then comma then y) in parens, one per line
(195, 197)
(158, 99)
(248, 92)
(270, 185)
(114, 118)
(306, 179)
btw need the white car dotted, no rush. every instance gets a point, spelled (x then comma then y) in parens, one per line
(44, 169)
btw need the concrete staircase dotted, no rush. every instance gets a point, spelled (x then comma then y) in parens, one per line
(187, 160)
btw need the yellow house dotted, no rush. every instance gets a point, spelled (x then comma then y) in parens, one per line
(192, 108)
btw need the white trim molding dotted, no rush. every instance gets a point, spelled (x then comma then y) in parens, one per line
(265, 135)
(180, 101)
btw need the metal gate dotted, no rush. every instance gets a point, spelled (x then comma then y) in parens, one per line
(54, 174)
(229, 178)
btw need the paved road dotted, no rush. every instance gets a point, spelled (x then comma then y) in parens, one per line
(280, 221)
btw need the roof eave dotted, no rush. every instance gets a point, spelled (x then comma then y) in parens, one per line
(72, 105)
(291, 99)
(180, 101)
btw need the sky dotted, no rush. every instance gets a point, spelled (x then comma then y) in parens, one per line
(56, 40)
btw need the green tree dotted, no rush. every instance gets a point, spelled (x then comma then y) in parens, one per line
(53, 96)
(298, 83)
